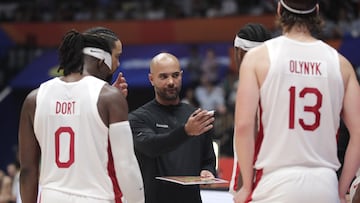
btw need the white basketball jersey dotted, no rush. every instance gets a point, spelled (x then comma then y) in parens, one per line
(73, 139)
(300, 103)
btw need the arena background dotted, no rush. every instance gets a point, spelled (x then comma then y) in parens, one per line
(142, 39)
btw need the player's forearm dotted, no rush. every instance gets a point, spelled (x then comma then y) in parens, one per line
(28, 186)
(126, 165)
(351, 165)
(130, 181)
(244, 147)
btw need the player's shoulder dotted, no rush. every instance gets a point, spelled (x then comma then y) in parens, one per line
(31, 96)
(261, 50)
(111, 98)
(256, 57)
(30, 100)
(344, 62)
(346, 67)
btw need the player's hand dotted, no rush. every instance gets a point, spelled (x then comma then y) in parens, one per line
(241, 196)
(199, 122)
(121, 84)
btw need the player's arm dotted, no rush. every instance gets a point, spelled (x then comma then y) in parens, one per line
(121, 142)
(247, 99)
(153, 143)
(126, 165)
(29, 151)
(351, 117)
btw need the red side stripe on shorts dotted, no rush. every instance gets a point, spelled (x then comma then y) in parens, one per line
(258, 176)
(338, 134)
(259, 139)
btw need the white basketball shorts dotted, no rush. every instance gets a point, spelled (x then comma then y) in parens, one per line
(53, 196)
(297, 185)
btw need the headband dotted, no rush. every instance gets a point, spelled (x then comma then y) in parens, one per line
(296, 10)
(99, 54)
(245, 44)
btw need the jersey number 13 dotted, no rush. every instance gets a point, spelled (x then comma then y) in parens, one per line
(314, 109)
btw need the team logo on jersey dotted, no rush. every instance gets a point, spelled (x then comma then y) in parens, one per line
(161, 125)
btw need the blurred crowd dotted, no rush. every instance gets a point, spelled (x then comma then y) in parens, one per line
(211, 90)
(67, 10)
(341, 15)
(9, 183)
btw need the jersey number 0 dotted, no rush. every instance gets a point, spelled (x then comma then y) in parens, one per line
(64, 131)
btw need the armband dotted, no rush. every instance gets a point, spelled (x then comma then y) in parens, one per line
(126, 165)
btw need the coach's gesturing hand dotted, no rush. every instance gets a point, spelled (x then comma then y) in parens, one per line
(199, 122)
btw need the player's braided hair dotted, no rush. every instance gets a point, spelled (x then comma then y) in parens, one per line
(104, 32)
(71, 57)
(254, 32)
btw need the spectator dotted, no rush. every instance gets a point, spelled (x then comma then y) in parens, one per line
(13, 170)
(210, 66)
(210, 96)
(193, 67)
(190, 98)
(6, 195)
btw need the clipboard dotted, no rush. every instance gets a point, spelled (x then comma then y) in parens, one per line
(192, 180)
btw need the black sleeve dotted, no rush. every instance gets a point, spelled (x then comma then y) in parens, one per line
(209, 158)
(151, 143)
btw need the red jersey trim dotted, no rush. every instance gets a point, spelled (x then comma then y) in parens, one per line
(112, 174)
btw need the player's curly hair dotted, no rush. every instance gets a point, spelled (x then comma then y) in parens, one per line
(71, 57)
(288, 19)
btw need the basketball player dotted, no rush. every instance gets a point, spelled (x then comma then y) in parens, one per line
(75, 129)
(249, 36)
(116, 48)
(302, 87)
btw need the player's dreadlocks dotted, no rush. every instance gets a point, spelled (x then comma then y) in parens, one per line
(71, 57)
(106, 33)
